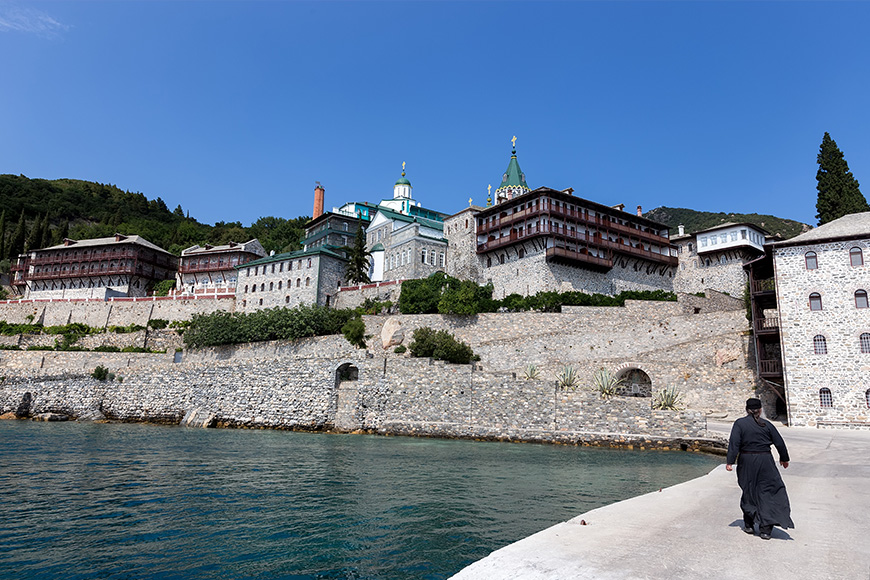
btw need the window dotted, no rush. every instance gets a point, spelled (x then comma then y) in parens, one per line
(273, 268)
(423, 257)
(279, 284)
(298, 282)
(286, 300)
(691, 247)
(432, 258)
(864, 340)
(262, 287)
(254, 288)
(723, 238)
(521, 253)
(489, 262)
(246, 288)
(289, 266)
(441, 259)
(861, 299)
(733, 236)
(811, 260)
(826, 400)
(261, 301)
(815, 301)
(856, 257)
(271, 286)
(281, 267)
(309, 262)
(820, 345)
(257, 270)
(742, 234)
(867, 397)
(307, 282)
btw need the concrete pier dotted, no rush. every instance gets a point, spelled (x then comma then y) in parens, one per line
(694, 530)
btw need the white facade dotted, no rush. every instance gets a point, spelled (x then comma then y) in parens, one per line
(730, 236)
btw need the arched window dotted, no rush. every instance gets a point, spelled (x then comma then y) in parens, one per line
(307, 282)
(489, 262)
(856, 257)
(279, 284)
(521, 253)
(271, 286)
(861, 299)
(262, 287)
(254, 288)
(864, 341)
(501, 259)
(820, 345)
(826, 400)
(867, 397)
(815, 301)
(286, 300)
(691, 247)
(298, 282)
(811, 260)
(246, 288)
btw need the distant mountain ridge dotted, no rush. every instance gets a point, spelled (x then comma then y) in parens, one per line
(696, 221)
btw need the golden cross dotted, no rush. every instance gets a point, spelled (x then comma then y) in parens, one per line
(514, 142)
(469, 201)
(488, 189)
(403, 166)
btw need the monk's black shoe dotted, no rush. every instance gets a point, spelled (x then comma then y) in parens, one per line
(749, 530)
(764, 536)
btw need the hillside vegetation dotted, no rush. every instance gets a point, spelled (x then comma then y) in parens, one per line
(83, 209)
(695, 221)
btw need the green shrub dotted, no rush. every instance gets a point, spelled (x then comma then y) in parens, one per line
(107, 348)
(668, 399)
(606, 383)
(134, 349)
(271, 324)
(372, 307)
(126, 329)
(567, 378)
(531, 372)
(440, 345)
(401, 349)
(163, 287)
(9, 347)
(440, 293)
(158, 323)
(37, 347)
(354, 331)
(100, 373)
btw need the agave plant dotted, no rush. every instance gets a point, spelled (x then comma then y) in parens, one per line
(531, 371)
(606, 383)
(668, 399)
(567, 379)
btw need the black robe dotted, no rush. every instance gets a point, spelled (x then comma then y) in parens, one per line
(764, 496)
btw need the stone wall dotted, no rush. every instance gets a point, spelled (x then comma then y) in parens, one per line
(532, 273)
(843, 368)
(325, 383)
(118, 312)
(353, 296)
(721, 270)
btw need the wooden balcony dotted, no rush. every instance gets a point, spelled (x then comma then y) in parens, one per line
(770, 368)
(204, 268)
(763, 286)
(573, 237)
(769, 325)
(121, 270)
(570, 257)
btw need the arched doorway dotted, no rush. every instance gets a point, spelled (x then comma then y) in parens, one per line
(346, 372)
(635, 383)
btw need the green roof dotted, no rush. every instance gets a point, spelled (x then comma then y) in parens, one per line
(514, 176)
(429, 223)
(379, 247)
(403, 181)
(326, 250)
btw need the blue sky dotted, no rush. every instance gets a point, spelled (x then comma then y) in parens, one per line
(235, 109)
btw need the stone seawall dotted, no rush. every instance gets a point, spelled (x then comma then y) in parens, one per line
(325, 383)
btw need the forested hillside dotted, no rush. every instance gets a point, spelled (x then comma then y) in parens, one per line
(695, 221)
(36, 213)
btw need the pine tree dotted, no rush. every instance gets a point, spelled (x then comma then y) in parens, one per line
(838, 189)
(357, 271)
(16, 243)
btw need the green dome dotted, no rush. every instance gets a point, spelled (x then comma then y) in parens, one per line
(379, 247)
(403, 181)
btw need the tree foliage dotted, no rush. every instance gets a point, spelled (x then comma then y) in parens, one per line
(54, 209)
(696, 221)
(272, 324)
(357, 269)
(839, 194)
(440, 345)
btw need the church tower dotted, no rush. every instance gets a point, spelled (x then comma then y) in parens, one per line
(513, 182)
(402, 189)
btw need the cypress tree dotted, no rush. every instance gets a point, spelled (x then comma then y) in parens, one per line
(16, 243)
(61, 233)
(3, 235)
(46, 233)
(838, 189)
(357, 271)
(35, 235)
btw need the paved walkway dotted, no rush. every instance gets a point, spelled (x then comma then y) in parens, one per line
(694, 530)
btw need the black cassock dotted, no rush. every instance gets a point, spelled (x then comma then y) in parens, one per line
(764, 496)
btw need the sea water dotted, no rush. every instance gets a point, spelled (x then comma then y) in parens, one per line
(81, 500)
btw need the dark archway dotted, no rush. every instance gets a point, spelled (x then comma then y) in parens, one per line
(346, 372)
(635, 383)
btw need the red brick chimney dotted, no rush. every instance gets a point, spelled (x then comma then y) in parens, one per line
(318, 201)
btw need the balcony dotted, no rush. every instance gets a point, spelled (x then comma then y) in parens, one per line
(769, 325)
(572, 236)
(770, 368)
(571, 257)
(497, 222)
(202, 268)
(124, 270)
(763, 286)
(96, 257)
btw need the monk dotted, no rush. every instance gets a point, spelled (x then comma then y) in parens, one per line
(764, 499)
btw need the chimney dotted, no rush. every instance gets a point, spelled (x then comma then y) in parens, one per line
(639, 212)
(681, 230)
(318, 200)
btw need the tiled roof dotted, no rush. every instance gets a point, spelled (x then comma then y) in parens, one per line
(110, 241)
(326, 250)
(850, 226)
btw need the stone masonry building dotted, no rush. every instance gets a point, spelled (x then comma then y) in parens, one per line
(822, 285)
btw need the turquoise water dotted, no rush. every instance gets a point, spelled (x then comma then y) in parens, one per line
(82, 501)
